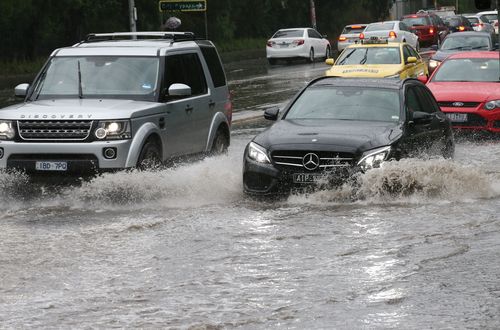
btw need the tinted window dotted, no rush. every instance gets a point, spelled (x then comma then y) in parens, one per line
(406, 53)
(417, 21)
(413, 52)
(289, 34)
(374, 55)
(428, 104)
(214, 65)
(468, 69)
(314, 34)
(379, 27)
(353, 29)
(412, 100)
(346, 103)
(185, 69)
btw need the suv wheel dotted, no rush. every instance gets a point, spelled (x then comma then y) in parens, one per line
(149, 157)
(311, 56)
(220, 144)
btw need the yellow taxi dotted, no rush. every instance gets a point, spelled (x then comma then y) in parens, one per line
(378, 59)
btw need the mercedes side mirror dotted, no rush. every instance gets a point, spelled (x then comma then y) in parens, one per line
(271, 113)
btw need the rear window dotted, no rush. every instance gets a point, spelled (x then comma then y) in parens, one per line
(491, 17)
(416, 21)
(453, 21)
(473, 20)
(354, 29)
(380, 27)
(289, 34)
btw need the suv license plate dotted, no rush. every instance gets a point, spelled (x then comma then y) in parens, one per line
(457, 117)
(51, 166)
(307, 178)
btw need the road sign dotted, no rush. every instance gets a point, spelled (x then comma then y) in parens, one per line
(183, 5)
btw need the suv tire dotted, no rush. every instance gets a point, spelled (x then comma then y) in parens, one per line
(150, 156)
(220, 144)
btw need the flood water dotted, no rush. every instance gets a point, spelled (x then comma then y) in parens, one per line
(415, 246)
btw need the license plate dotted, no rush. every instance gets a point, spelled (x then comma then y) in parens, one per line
(457, 117)
(51, 166)
(307, 178)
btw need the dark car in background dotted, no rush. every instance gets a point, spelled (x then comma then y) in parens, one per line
(459, 42)
(458, 23)
(429, 27)
(336, 127)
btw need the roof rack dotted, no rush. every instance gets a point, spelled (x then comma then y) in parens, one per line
(170, 36)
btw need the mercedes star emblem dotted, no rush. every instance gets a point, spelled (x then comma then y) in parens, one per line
(310, 161)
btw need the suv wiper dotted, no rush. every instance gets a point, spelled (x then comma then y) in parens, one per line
(80, 91)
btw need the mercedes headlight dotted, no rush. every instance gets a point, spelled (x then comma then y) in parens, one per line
(434, 64)
(492, 105)
(257, 153)
(7, 131)
(113, 130)
(374, 158)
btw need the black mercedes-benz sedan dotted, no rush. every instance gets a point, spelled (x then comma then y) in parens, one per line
(335, 127)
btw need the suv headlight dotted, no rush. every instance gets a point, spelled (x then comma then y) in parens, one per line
(257, 153)
(7, 131)
(374, 158)
(113, 130)
(492, 105)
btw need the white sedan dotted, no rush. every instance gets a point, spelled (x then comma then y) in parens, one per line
(287, 44)
(395, 31)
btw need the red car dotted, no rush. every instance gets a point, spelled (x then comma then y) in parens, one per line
(429, 27)
(466, 86)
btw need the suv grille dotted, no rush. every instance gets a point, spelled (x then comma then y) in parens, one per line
(293, 159)
(54, 129)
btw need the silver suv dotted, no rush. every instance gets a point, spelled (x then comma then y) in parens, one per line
(119, 100)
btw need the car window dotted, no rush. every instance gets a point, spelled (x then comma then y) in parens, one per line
(468, 69)
(473, 20)
(346, 103)
(373, 55)
(403, 27)
(412, 52)
(186, 69)
(412, 100)
(406, 54)
(490, 17)
(380, 26)
(289, 34)
(428, 103)
(465, 42)
(417, 21)
(313, 34)
(353, 29)
(214, 65)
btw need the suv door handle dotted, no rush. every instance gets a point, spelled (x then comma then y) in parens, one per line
(189, 108)
(211, 104)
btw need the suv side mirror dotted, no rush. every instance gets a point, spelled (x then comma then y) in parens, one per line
(272, 113)
(179, 90)
(21, 90)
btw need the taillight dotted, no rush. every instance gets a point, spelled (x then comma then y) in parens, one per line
(361, 36)
(342, 38)
(431, 31)
(496, 23)
(393, 34)
(269, 43)
(461, 28)
(298, 42)
(228, 107)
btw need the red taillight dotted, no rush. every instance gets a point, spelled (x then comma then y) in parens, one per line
(228, 107)
(461, 28)
(431, 31)
(298, 42)
(393, 34)
(414, 16)
(361, 36)
(496, 23)
(342, 38)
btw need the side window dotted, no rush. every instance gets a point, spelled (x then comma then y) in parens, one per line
(406, 53)
(412, 101)
(214, 65)
(313, 34)
(413, 52)
(428, 102)
(186, 69)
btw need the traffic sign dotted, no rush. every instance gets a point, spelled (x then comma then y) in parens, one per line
(183, 5)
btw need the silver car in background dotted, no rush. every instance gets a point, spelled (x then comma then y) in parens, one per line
(349, 36)
(491, 17)
(288, 44)
(395, 31)
(480, 25)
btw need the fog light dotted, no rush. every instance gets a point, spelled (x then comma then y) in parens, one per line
(109, 153)
(1, 153)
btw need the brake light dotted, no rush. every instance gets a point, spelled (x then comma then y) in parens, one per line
(356, 27)
(414, 16)
(361, 36)
(228, 107)
(431, 31)
(461, 28)
(342, 38)
(269, 43)
(496, 23)
(393, 34)
(298, 42)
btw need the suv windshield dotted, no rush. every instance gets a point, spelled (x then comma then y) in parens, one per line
(99, 77)
(468, 69)
(416, 21)
(346, 103)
